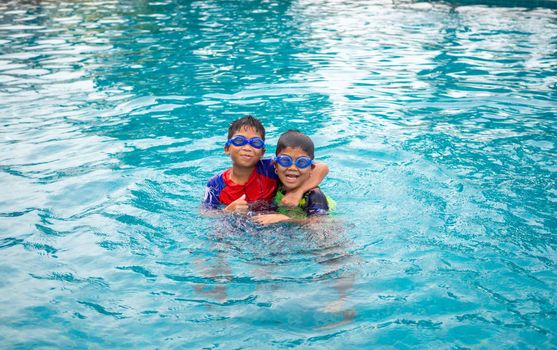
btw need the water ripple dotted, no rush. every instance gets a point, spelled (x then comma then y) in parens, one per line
(437, 120)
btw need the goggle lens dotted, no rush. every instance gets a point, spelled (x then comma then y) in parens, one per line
(240, 140)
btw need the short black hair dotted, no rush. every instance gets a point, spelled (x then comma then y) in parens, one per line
(295, 139)
(246, 122)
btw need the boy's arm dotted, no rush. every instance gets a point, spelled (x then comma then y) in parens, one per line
(268, 219)
(291, 199)
(211, 202)
(211, 198)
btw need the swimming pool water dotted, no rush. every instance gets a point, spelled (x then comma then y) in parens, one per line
(437, 120)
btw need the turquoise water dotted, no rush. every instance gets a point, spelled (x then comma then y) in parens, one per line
(438, 123)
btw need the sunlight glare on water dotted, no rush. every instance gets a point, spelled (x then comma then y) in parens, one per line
(437, 121)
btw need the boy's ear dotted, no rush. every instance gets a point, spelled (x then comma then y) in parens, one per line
(226, 148)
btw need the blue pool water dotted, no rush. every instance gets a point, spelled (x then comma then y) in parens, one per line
(437, 120)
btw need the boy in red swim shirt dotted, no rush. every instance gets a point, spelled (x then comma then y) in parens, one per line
(252, 182)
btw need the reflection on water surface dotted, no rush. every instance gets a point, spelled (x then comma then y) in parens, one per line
(437, 120)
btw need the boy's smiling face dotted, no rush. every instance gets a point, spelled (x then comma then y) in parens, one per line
(293, 177)
(245, 156)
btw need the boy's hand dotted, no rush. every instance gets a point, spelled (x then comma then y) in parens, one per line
(240, 205)
(291, 199)
(268, 219)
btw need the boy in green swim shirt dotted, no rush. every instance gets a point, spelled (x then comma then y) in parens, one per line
(294, 164)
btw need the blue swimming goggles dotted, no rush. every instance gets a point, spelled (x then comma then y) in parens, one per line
(255, 142)
(286, 161)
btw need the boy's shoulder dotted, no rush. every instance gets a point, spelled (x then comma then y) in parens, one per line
(266, 167)
(217, 179)
(265, 162)
(317, 202)
(314, 193)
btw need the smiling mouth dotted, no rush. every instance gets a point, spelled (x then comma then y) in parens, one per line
(291, 177)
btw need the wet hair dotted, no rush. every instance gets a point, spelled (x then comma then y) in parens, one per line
(295, 139)
(246, 122)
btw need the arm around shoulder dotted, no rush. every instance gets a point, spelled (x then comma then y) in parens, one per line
(317, 175)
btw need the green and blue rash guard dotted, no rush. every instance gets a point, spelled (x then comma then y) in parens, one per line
(313, 202)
